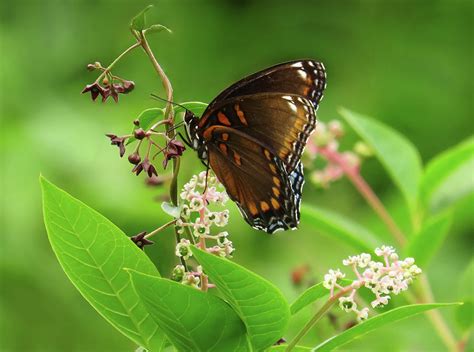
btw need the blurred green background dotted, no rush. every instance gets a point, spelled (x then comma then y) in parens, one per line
(406, 63)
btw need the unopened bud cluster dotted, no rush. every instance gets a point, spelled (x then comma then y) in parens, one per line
(325, 143)
(147, 140)
(388, 276)
(107, 85)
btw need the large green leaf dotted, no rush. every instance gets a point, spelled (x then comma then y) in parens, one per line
(396, 153)
(448, 177)
(260, 305)
(93, 252)
(339, 227)
(376, 322)
(424, 245)
(192, 320)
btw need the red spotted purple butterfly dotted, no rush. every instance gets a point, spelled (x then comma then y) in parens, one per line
(252, 136)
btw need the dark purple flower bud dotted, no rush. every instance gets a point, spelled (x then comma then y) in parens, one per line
(174, 149)
(118, 141)
(139, 133)
(280, 342)
(140, 240)
(137, 169)
(136, 122)
(134, 158)
(95, 89)
(152, 171)
(128, 86)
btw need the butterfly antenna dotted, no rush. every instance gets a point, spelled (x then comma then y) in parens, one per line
(169, 101)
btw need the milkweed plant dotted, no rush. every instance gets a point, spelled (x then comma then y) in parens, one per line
(206, 302)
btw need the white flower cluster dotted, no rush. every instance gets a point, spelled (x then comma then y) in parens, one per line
(196, 214)
(391, 276)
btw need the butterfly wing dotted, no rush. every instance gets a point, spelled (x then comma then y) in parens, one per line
(282, 121)
(255, 179)
(306, 78)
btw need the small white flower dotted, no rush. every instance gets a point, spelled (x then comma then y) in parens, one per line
(196, 203)
(347, 304)
(330, 279)
(352, 260)
(364, 260)
(183, 249)
(191, 280)
(384, 251)
(363, 314)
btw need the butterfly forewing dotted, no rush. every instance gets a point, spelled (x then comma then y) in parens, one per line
(281, 121)
(302, 77)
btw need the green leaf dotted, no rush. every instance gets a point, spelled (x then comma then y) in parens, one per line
(465, 315)
(339, 227)
(195, 106)
(396, 153)
(376, 322)
(170, 209)
(309, 296)
(191, 319)
(147, 118)
(448, 177)
(156, 28)
(259, 304)
(424, 245)
(92, 251)
(138, 22)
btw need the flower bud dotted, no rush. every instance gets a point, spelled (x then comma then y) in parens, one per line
(128, 86)
(136, 122)
(105, 81)
(134, 158)
(139, 133)
(91, 67)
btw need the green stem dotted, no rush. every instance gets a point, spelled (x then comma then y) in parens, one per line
(107, 70)
(319, 314)
(161, 228)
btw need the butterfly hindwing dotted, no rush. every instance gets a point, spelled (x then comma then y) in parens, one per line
(255, 179)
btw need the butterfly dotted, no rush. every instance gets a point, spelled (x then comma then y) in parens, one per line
(252, 136)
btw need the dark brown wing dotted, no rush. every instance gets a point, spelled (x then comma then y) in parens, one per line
(255, 179)
(306, 78)
(282, 121)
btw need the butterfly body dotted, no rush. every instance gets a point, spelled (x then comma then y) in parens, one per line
(252, 136)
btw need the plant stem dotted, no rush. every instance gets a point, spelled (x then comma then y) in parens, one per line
(161, 228)
(319, 314)
(426, 296)
(169, 115)
(366, 191)
(136, 45)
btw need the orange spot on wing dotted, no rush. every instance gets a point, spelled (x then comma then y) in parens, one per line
(208, 132)
(225, 136)
(237, 159)
(267, 154)
(264, 206)
(240, 115)
(275, 204)
(276, 181)
(276, 191)
(223, 148)
(203, 121)
(252, 208)
(273, 168)
(223, 119)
